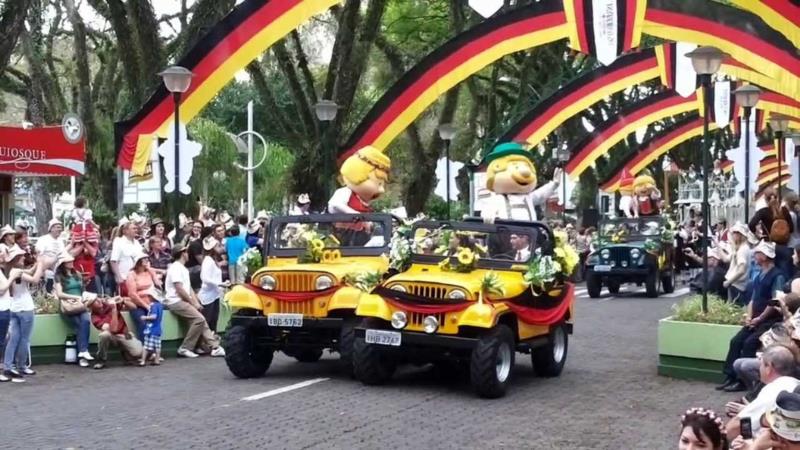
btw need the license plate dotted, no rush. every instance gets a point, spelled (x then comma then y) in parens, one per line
(381, 337)
(602, 268)
(285, 320)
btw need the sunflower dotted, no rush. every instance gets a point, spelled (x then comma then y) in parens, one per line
(465, 256)
(327, 256)
(336, 254)
(317, 244)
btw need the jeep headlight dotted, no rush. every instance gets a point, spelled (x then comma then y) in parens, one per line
(605, 253)
(430, 324)
(635, 254)
(399, 320)
(323, 282)
(268, 283)
(399, 288)
(457, 294)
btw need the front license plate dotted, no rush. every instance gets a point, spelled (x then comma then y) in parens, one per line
(285, 320)
(602, 268)
(381, 337)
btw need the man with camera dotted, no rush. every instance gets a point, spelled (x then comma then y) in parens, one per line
(107, 318)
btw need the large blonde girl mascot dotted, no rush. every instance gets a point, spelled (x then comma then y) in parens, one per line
(511, 177)
(365, 175)
(647, 196)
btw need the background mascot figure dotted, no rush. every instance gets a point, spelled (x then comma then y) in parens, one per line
(647, 196)
(511, 178)
(627, 204)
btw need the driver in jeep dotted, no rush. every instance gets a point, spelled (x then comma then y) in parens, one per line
(521, 243)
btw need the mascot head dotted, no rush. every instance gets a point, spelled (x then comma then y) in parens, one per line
(510, 170)
(626, 183)
(366, 173)
(643, 185)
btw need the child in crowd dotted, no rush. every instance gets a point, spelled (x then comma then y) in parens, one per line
(83, 227)
(152, 333)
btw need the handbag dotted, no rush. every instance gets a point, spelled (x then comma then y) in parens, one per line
(72, 306)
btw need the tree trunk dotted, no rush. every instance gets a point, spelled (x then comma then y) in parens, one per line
(12, 22)
(127, 50)
(145, 27)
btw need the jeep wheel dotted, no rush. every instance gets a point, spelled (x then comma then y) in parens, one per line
(242, 357)
(549, 360)
(613, 286)
(593, 285)
(651, 284)
(371, 364)
(346, 341)
(492, 362)
(668, 282)
(307, 355)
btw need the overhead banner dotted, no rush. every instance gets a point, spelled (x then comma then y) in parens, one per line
(723, 100)
(41, 152)
(781, 15)
(605, 28)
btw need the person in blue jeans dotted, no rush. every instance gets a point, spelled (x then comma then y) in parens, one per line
(152, 334)
(68, 285)
(5, 310)
(16, 357)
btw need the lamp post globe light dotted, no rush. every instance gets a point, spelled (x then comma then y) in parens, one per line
(780, 125)
(177, 80)
(446, 133)
(706, 62)
(563, 156)
(747, 96)
(326, 111)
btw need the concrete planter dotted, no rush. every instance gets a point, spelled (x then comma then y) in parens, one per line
(693, 350)
(51, 330)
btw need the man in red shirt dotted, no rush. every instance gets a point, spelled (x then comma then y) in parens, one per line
(84, 249)
(107, 317)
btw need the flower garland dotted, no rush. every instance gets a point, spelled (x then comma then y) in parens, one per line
(250, 261)
(491, 284)
(400, 247)
(544, 270)
(565, 254)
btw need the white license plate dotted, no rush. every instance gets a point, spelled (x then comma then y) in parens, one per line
(285, 320)
(602, 268)
(381, 337)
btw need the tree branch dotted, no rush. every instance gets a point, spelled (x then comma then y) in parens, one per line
(343, 45)
(300, 99)
(302, 63)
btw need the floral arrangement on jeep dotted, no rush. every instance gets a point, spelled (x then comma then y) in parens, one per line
(461, 249)
(317, 248)
(546, 271)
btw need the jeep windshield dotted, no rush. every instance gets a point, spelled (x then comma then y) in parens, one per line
(631, 230)
(352, 235)
(494, 245)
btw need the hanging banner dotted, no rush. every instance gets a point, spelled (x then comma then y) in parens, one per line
(724, 103)
(41, 151)
(604, 29)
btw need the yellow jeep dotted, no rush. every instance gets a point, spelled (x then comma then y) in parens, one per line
(473, 314)
(297, 303)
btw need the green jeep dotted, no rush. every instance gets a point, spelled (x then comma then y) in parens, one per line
(632, 251)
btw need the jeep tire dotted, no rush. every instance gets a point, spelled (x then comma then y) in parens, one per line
(346, 341)
(372, 365)
(492, 362)
(593, 284)
(613, 285)
(242, 357)
(651, 284)
(549, 360)
(668, 282)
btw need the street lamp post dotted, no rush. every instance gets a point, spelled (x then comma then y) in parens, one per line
(779, 124)
(326, 111)
(177, 80)
(563, 156)
(446, 133)
(706, 62)
(747, 96)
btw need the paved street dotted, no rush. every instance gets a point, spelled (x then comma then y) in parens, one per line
(608, 397)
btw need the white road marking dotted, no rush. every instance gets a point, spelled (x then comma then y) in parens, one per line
(284, 389)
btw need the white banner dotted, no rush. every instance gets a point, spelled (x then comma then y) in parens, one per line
(685, 76)
(604, 13)
(722, 103)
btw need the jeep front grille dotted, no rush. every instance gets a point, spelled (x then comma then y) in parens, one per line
(305, 308)
(295, 281)
(415, 319)
(619, 254)
(427, 290)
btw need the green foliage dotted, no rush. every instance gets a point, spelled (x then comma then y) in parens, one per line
(363, 281)
(719, 311)
(436, 209)
(272, 179)
(218, 155)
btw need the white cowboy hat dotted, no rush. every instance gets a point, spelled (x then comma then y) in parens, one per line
(210, 243)
(253, 226)
(262, 215)
(139, 257)
(53, 222)
(766, 248)
(23, 224)
(303, 199)
(123, 221)
(14, 251)
(741, 229)
(784, 420)
(63, 258)
(6, 230)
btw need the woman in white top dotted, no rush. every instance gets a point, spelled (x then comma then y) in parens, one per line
(16, 356)
(7, 237)
(211, 278)
(5, 308)
(736, 277)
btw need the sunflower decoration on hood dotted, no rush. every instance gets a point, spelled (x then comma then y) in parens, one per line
(316, 245)
(462, 250)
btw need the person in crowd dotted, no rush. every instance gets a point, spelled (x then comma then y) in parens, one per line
(760, 315)
(84, 247)
(139, 287)
(158, 228)
(739, 255)
(184, 228)
(255, 234)
(195, 250)
(242, 224)
(301, 206)
(182, 301)
(776, 372)
(104, 278)
(159, 256)
(521, 246)
(22, 241)
(721, 231)
(152, 333)
(69, 286)
(211, 278)
(51, 246)
(81, 215)
(7, 240)
(792, 202)
(763, 221)
(16, 356)
(194, 234)
(716, 272)
(779, 426)
(124, 252)
(108, 320)
(235, 246)
(701, 429)
(7, 278)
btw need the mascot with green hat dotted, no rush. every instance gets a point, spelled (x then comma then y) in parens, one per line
(511, 177)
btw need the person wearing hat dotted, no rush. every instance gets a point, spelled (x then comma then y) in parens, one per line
(5, 305)
(21, 321)
(139, 287)
(124, 251)
(182, 301)
(69, 286)
(716, 276)
(48, 249)
(159, 229)
(780, 426)
(301, 206)
(736, 276)
(211, 278)
(511, 177)
(760, 315)
(7, 240)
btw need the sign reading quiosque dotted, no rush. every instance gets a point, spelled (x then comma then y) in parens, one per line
(40, 151)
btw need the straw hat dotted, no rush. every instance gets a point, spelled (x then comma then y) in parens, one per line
(15, 251)
(303, 199)
(63, 258)
(53, 222)
(6, 230)
(784, 420)
(766, 248)
(210, 243)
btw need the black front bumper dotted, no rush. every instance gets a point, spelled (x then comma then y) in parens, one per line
(418, 339)
(622, 272)
(309, 323)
